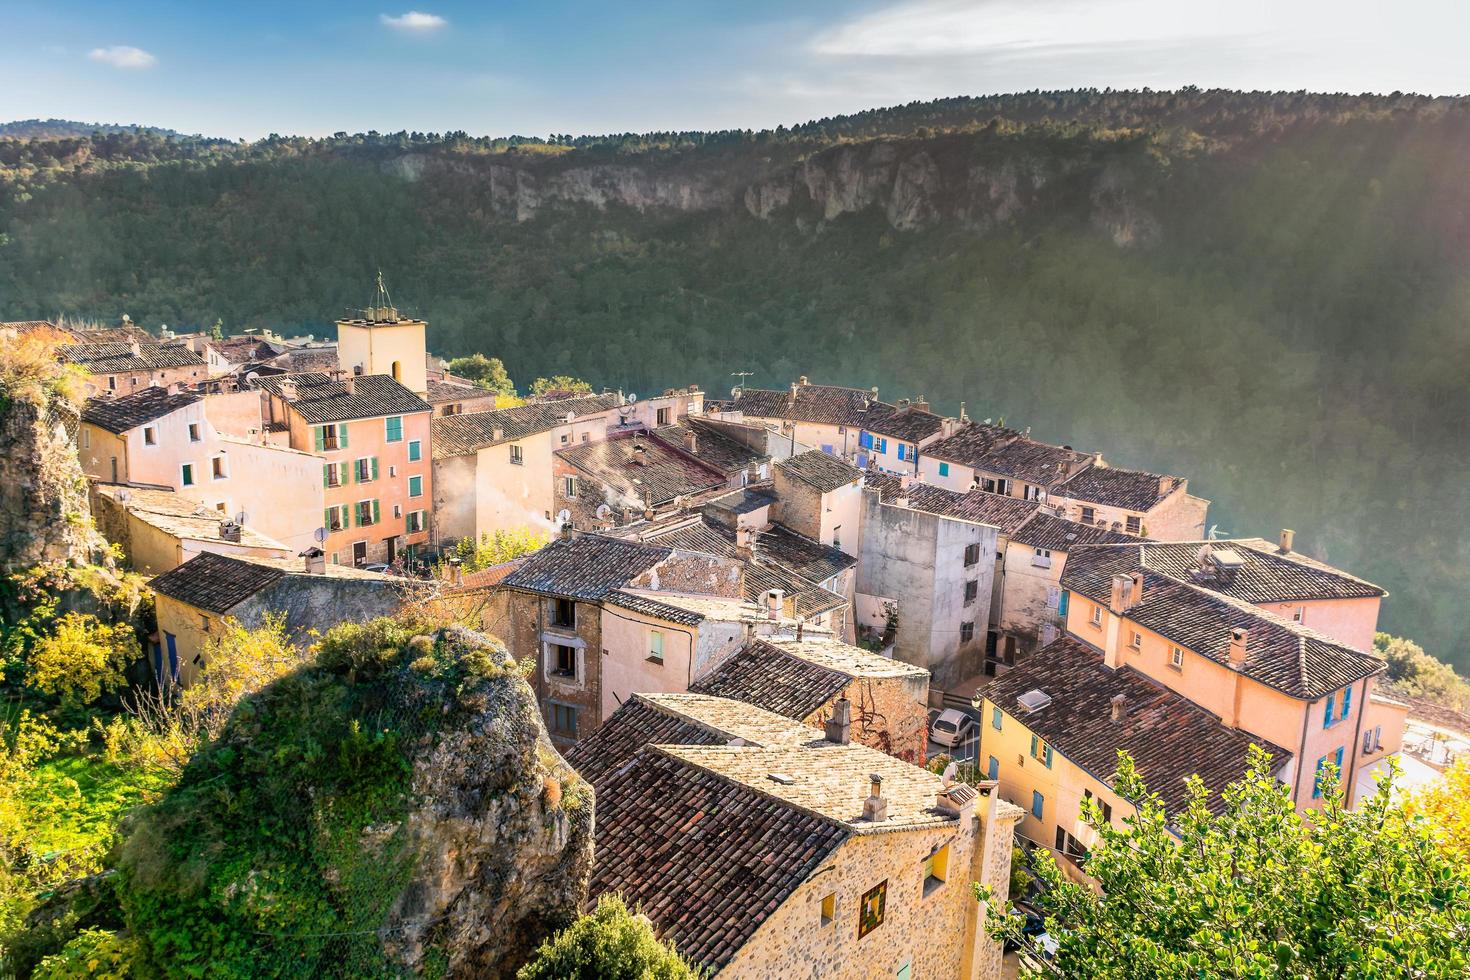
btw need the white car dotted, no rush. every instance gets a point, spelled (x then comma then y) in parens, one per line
(953, 727)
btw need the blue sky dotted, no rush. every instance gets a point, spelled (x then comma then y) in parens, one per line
(244, 68)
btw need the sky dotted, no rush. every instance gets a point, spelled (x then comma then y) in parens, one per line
(246, 68)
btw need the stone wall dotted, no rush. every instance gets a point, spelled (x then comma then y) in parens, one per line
(527, 630)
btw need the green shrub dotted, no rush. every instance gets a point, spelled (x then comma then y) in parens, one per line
(610, 942)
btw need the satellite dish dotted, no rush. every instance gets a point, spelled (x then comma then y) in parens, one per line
(950, 771)
(320, 534)
(563, 516)
(603, 512)
(632, 398)
(735, 392)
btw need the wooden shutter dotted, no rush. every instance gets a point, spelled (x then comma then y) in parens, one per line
(375, 510)
(321, 438)
(327, 473)
(375, 467)
(341, 435)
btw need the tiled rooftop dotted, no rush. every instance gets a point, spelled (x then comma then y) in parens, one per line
(1046, 530)
(321, 399)
(810, 559)
(181, 517)
(820, 470)
(586, 567)
(1113, 487)
(457, 435)
(120, 357)
(652, 605)
(643, 468)
(1008, 453)
(830, 404)
(770, 677)
(123, 414)
(443, 392)
(1169, 737)
(855, 662)
(215, 583)
(711, 446)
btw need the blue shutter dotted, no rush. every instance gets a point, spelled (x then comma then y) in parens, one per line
(1347, 701)
(865, 439)
(415, 451)
(173, 662)
(900, 452)
(1339, 760)
(995, 718)
(1062, 603)
(1038, 804)
(1327, 711)
(944, 469)
(994, 768)
(1317, 782)
(1048, 757)
(1034, 740)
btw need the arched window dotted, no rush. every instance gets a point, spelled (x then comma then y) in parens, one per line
(397, 371)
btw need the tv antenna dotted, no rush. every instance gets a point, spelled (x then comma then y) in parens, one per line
(241, 517)
(740, 385)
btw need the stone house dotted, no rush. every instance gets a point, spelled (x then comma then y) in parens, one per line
(803, 677)
(159, 529)
(1259, 672)
(821, 497)
(169, 439)
(455, 396)
(999, 460)
(781, 854)
(122, 367)
(1052, 727)
(194, 599)
(609, 481)
(1146, 505)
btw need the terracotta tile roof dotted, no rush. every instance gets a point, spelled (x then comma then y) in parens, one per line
(972, 443)
(812, 560)
(320, 399)
(1169, 737)
(647, 605)
(643, 468)
(997, 510)
(829, 404)
(441, 392)
(1287, 656)
(810, 600)
(1046, 530)
(1113, 487)
(120, 358)
(589, 566)
(493, 575)
(299, 359)
(820, 470)
(182, 517)
(904, 423)
(770, 677)
(1267, 575)
(457, 435)
(711, 446)
(833, 654)
(215, 583)
(742, 501)
(1008, 453)
(123, 414)
(707, 859)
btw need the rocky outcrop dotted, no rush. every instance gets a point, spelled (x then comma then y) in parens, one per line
(396, 808)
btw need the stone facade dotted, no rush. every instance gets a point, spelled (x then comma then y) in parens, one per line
(571, 702)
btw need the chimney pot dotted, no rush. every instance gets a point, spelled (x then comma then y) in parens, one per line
(566, 531)
(1135, 594)
(1122, 589)
(1239, 640)
(839, 726)
(497, 434)
(316, 561)
(875, 807)
(691, 441)
(1288, 538)
(1119, 708)
(802, 381)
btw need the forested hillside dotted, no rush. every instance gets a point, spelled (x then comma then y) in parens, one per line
(1266, 292)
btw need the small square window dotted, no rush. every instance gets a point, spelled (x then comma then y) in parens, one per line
(393, 429)
(1134, 525)
(564, 613)
(1176, 657)
(150, 436)
(944, 469)
(829, 908)
(194, 435)
(1089, 515)
(516, 457)
(967, 632)
(565, 438)
(661, 417)
(1137, 641)
(564, 720)
(972, 590)
(564, 660)
(972, 555)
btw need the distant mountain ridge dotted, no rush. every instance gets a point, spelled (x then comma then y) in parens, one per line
(50, 129)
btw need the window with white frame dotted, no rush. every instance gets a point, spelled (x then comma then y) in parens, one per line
(1134, 524)
(1176, 657)
(569, 487)
(516, 456)
(1097, 615)
(1137, 641)
(1041, 557)
(561, 661)
(656, 646)
(415, 521)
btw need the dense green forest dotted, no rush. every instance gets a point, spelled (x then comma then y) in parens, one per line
(1267, 292)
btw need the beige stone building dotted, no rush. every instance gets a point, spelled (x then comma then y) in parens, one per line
(781, 854)
(159, 529)
(1146, 505)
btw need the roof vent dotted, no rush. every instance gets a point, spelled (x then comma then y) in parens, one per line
(780, 777)
(1118, 708)
(1034, 700)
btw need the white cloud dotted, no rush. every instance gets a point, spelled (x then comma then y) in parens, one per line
(414, 22)
(123, 56)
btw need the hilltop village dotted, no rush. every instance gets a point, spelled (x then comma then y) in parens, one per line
(768, 614)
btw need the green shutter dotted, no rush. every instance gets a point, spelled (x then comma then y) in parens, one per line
(375, 511)
(375, 467)
(343, 470)
(327, 474)
(327, 518)
(415, 451)
(321, 439)
(341, 435)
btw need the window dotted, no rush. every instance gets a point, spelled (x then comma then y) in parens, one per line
(415, 486)
(393, 427)
(112, 383)
(870, 913)
(334, 474)
(565, 438)
(1040, 751)
(972, 555)
(995, 718)
(944, 469)
(194, 435)
(569, 487)
(992, 772)
(336, 518)
(985, 483)
(1089, 515)
(1176, 658)
(1370, 740)
(1133, 524)
(366, 469)
(1030, 492)
(967, 632)
(1299, 615)
(829, 908)
(516, 458)
(1097, 615)
(1329, 711)
(186, 474)
(661, 417)
(564, 613)
(1041, 557)
(415, 450)
(414, 523)
(563, 660)
(1003, 486)
(1070, 847)
(972, 589)
(1321, 765)
(1038, 805)
(1347, 703)
(397, 370)
(1137, 641)
(217, 468)
(367, 513)
(656, 646)
(330, 437)
(150, 436)
(880, 444)
(936, 868)
(1106, 808)
(564, 720)
(837, 536)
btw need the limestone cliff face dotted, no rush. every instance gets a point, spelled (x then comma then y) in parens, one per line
(915, 183)
(44, 513)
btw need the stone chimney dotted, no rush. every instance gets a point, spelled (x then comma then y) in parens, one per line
(875, 807)
(745, 542)
(794, 386)
(497, 434)
(963, 416)
(1288, 538)
(1135, 594)
(288, 389)
(920, 403)
(803, 381)
(351, 383)
(839, 726)
(1118, 708)
(316, 561)
(1122, 594)
(134, 347)
(566, 531)
(691, 441)
(229, 531)
(1238, 642)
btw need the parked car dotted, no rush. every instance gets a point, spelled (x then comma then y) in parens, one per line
(953, 727)
(376, 566)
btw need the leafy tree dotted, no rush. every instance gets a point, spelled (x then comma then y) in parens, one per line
(611, 941)
(561, 382)
(498, 546)
(487, 372)
(1257, 890)
(94, 953)
(83, 658)
(1417, 674)
(1443, 806)
(217, 332)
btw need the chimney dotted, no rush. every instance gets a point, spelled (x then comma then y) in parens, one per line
(133, 346)
(566, 531)
(963, 416)
(691, 441)
(1288, 538)
(875, 807)
(803, 381)
(1097, 459)
(839, 726)
(1119, 708)
(229, 531)
(874, 390)
(456, 570)
(794, 386)
(1122, 594)
(316, 561)
(1238, 640)
(1135, 595)
(497, 434)
(351, 384)
(920, 403)
(744, 542)
(800, 626)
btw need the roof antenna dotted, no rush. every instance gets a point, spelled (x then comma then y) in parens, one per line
(739, 385)
(381, 310)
